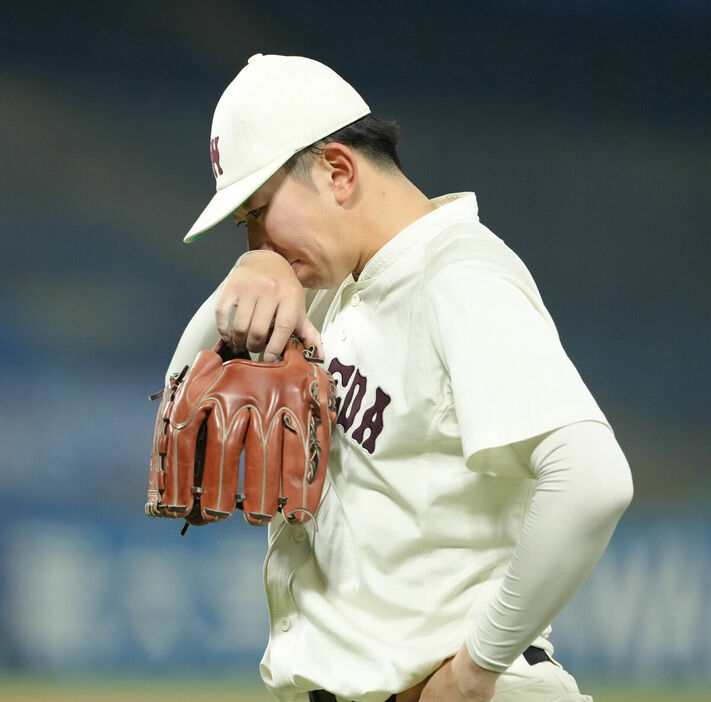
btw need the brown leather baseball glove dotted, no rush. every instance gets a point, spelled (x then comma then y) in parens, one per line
(279, 413)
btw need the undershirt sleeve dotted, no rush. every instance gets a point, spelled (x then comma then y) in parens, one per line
(583, 487)
(200, 333)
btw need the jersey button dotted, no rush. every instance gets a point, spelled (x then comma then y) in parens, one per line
(344, 336)
(284, 624)
(300, 535)
(355, 300)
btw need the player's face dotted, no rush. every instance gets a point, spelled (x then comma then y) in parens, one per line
(303, 225)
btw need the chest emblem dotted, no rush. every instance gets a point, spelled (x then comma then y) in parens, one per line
(368, 424)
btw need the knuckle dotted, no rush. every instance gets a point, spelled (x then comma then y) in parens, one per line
(238, 334)
(240, 326)
(285, 324)
(270, 286)
(225, 302)
(232, 283)
(295, 290)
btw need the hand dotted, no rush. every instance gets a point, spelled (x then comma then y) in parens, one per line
(269, 305)
(458, 679)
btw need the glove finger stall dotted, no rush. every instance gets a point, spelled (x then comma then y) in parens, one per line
(220, 480)
(262, 459)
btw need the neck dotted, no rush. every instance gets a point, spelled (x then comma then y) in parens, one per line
(389, 204)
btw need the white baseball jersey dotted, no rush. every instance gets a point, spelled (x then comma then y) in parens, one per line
(445, 356)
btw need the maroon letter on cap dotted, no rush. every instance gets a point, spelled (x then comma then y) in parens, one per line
(215, 157)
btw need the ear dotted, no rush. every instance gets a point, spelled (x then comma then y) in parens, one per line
(342, 167)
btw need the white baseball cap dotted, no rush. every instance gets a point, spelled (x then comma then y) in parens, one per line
(276, 106)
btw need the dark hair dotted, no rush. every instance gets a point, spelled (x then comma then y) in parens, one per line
(375, 138)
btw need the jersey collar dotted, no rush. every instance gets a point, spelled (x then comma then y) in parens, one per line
(450, 209)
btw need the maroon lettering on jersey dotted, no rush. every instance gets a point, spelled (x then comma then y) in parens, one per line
(215, 157)
(372, 421)
(352, 402)
(345, 372)
(371, 424)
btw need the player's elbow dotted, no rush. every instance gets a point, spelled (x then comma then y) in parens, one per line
(588, 464)
(617, 495)
(611, 494)
(625, 489)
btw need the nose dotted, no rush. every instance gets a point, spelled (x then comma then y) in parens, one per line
(258, 242)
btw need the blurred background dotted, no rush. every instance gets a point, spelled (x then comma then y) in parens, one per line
(583, 127)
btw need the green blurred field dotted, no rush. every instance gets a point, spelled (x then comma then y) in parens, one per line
(21, 689)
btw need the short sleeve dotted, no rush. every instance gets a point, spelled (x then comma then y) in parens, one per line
(510, 376)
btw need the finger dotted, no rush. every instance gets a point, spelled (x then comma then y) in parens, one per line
(224, 311)
(284, 323)
(242, 321)
(259, 325)
(309, 334)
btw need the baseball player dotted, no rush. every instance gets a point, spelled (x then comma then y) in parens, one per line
(473, 482)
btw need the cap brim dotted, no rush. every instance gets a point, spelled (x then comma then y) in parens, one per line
(227, 200)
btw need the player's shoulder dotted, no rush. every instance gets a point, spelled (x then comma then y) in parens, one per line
(471, 269)
(465, 261)
(467, 247)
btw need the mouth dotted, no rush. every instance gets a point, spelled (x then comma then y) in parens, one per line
(296, 264)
